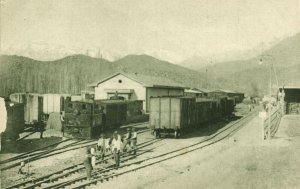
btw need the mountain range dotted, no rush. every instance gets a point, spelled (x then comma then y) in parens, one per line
(280, 64)
(72, 73)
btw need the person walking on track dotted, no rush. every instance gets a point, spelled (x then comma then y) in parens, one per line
(116, 144)
(62, 120)
(42, 125)
(127, 140)
(133, 140)
(88, 163)
(101, 146)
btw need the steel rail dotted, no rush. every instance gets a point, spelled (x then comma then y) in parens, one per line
(74, 166)
(70, 182)
(185, 150)
(39, 155)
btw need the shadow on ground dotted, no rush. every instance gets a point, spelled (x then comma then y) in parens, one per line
(26, 145)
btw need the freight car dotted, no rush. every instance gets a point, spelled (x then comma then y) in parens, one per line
(15, 120)
(172, 115)
(37, 104)
(33, 106)
(54, 103)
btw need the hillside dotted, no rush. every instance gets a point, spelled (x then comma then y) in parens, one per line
(67, 75)
(148, 65)
(72, 74)
(249, 74)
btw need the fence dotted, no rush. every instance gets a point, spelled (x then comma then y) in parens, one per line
(270, 122)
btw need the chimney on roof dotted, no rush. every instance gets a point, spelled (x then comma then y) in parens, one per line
(135, 73)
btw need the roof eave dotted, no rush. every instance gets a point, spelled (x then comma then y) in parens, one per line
(166, 86)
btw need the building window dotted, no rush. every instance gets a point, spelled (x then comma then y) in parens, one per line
(83, 106)
(120, 81)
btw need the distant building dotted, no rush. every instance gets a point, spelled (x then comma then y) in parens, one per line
(239, 97)
(195, 92)
(291, 97)
(136, 87)
(192, 93)
(203, 91)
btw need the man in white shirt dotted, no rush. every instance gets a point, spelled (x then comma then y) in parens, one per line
(133, 140)
(101, 146)
(116, 145)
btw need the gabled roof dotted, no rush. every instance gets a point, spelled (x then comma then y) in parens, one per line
(145, 80)
(224, 90)
(192, 91)
(201, 90)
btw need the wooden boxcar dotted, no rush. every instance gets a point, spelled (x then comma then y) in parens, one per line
(229, 107)
(33, 106)
(172, 115)
(15, 120)
(54, 103)
(204, 111)
(83, 119)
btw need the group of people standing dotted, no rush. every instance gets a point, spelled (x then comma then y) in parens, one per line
(114, 145)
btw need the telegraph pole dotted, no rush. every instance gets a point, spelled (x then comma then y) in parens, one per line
(269, 109)
(206, 85)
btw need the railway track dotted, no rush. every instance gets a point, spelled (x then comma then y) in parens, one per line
(110, 171)
(100, 177)
(22, 138)
(42, 154)
(39, 154)
(67, 171)
(31, 152)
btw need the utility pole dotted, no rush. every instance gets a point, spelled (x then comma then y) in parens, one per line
(269, 109)
(270, 97)
(206, 78)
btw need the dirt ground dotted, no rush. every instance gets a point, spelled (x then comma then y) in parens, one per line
(241, 161)
(50, 164)
(246, 163)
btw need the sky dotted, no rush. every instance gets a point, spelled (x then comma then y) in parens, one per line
(172, 30)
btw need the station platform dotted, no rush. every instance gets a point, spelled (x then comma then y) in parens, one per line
(289, 126)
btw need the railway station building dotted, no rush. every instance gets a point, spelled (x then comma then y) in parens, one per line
(136, 87)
